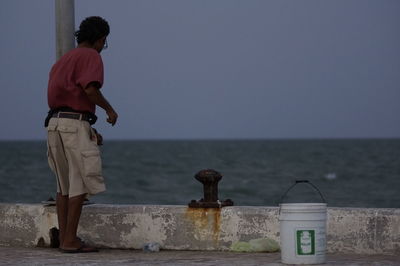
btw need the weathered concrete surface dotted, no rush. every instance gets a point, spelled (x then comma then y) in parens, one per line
(47, 256)
(24, 224)
(350, 230)
(364, 230)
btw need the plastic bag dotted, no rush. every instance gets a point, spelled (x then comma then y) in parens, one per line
(264, 245)
(241, 247)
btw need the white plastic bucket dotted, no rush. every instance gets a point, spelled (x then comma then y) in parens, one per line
(303, 233)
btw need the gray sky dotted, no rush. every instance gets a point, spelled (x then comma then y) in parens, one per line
(218, 68)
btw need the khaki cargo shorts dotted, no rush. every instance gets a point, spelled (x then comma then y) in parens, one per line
(74, 157)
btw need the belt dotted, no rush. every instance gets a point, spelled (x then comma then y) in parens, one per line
(77, 116)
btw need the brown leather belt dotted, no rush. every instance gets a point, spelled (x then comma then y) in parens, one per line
(77, 116)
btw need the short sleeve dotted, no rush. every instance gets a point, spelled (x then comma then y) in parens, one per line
(89, 69)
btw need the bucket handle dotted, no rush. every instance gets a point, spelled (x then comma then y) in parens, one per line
(302, 181)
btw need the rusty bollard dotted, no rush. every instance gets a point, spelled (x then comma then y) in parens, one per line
(209, 178)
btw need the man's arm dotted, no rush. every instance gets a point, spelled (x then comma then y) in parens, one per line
(96, 97)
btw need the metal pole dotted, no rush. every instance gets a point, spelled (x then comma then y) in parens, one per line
(65, 26)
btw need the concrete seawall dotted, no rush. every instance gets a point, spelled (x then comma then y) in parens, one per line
(349, 230)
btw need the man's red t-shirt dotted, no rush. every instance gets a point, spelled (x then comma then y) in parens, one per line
(70, 75)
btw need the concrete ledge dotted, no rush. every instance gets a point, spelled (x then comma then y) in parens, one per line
(350, 230)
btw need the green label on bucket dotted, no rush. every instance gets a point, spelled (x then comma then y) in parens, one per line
(305, 240)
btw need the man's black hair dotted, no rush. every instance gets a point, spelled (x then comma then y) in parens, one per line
(92, 29)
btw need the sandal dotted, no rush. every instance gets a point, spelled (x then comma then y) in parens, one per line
(82, 249)
(78, 238)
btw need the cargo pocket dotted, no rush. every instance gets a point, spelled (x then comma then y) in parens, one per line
(51, 128)
(92, 174)
(69, 135)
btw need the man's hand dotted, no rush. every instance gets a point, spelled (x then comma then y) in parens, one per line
(95, 96)
(98, 137)
(112, 117)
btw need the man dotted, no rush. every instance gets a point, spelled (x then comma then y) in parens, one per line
(73, 153)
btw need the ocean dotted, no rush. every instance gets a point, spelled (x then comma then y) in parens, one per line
(348, 172)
